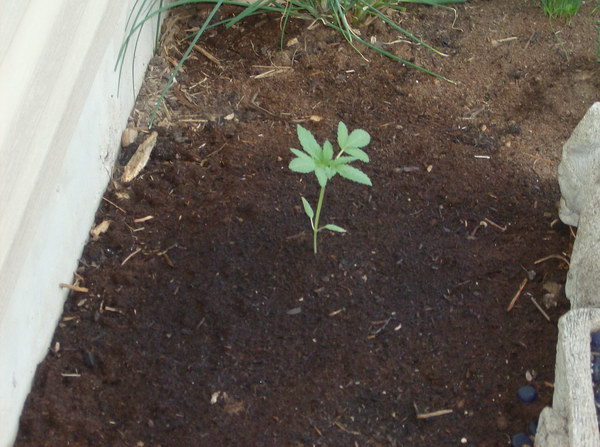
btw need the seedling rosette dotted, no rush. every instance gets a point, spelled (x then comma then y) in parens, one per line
(322, 162)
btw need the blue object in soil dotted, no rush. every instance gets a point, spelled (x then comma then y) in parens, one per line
(527, 393)
(521, 440)
(532, 427)
(596, 340)
(596, 370)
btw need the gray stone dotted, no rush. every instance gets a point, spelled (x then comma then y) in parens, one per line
(578, 169)
(583, 280)
(572, 419)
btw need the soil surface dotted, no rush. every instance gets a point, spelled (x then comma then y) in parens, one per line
(210, 322)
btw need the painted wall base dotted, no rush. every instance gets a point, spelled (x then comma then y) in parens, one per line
(59, 137)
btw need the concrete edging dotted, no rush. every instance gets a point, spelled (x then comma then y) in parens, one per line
(572, 420)
(59, 138)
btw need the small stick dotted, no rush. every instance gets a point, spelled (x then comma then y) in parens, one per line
(539, 308)
(115, 205)
(503, 229)
(343, 428)
(73, 287)
(209, 56)
(560, 257)
(433, 414)
(481, 224)
(161, 253)
(203, 162)
(168, 260)
(517, 295)
(143, 219)
(384, 322)
(130, 256)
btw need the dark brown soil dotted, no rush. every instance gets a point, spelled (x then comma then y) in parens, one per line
(213, 324)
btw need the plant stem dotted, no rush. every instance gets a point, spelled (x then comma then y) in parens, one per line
(317, 214)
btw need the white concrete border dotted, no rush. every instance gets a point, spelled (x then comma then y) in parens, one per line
(572, 419)
(59, 136)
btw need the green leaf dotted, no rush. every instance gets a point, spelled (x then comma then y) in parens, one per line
(327, 151)
(308, 142)
(358, 138)
(356, 175)
(302, 165)
(332, 227)
(342, 134)
(342, 160)
(321, 174)
(330, 171)
(358, 154)
(300, 154)
(308, 209)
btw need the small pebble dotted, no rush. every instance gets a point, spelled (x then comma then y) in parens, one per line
(521, 440)
(527, 393)
(596, 339)
(597, 399)
(532, 427)
(596, 370)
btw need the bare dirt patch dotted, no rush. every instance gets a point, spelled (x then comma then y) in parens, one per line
(223, 329)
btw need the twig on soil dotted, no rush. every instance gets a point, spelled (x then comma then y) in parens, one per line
(433, 414)
(517, 295)
(559, 257)
(166, 250)
(503, 229)
(115, 205)
(317, 431)
(130, 256)
(168, 260)
(384, 324)
(539, 308)
(343, 428)
(482, 224)
(209, 56)
(495, 42)
(200, 324)
(74, 287)
(335, 312)
(296, 236)
(205, 159)
(143, 219)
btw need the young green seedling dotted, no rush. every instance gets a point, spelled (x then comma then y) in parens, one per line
(322, 162)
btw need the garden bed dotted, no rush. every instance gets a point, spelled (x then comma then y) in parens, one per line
(209, 321)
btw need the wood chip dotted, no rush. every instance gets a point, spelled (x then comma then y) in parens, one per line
(139, 159)
(73, 287)
(128, 136)
(99, 229)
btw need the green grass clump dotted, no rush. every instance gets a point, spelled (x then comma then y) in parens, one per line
(340, 15)
(561, 8)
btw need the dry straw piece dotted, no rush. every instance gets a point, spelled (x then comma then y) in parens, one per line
(139, 159)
